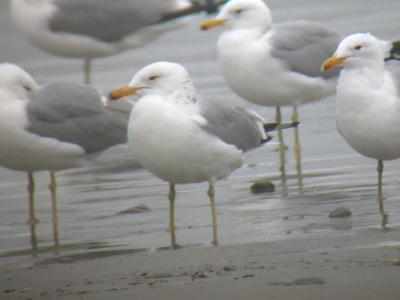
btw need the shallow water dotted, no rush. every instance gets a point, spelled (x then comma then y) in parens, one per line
(89, 201)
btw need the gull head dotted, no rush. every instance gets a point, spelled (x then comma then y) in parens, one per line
(242, 14)
(358, 50)
(162, 78)
(16, 81)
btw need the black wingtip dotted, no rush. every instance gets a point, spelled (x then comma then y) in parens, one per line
(268, 127)
(395, 51)
(208, 6)
(266, 140)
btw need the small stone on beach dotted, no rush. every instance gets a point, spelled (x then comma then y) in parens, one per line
(340, 212)
(309, 281)
(140, 208)
(229, 268)
(248, 276)
(263, 185)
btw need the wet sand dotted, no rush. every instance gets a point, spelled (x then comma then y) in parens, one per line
(362, 266)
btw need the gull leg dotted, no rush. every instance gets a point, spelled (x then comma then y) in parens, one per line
(211, 196)
(86, 69)
(282, 149)
(380, 195)
(297, 148)
(54, 218)
(171, 198)
(31, 189)
(32, 221)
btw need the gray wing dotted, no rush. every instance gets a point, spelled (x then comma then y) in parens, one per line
(74, 113)
(107, 20)
(303, 46)
(234, 125)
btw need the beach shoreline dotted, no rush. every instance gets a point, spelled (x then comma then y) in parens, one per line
(357, 266)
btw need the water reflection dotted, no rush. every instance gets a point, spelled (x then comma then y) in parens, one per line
(33, 238)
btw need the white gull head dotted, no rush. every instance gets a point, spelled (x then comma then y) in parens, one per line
(246, 14)
(166, 79)
(16, 81)
(361, 50)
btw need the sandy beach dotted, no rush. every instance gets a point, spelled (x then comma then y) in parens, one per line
(363, 266)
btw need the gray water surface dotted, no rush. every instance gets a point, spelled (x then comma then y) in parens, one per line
(89, 201)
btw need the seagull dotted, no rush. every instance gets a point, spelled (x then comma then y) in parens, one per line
(53, 127)
(368, 101)
(181, 137)
(90, 29)
(277, 64)
(274, 64)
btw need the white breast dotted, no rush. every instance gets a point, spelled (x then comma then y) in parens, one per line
(368, 114)
(172, 145)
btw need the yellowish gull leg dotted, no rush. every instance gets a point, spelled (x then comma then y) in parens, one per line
(54, 218)
(380, 195)
(87, 69)
(171, 198)
(32, 221)
(282, 148)
(297, 148)
(31, 189)
(211, 196)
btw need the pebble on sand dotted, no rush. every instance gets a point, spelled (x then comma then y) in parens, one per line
(340, 212)
(140, 208)
(263, 185)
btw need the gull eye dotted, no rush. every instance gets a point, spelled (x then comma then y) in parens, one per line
(358, 47)
(27, 88)
(238, 11)
(151, 78)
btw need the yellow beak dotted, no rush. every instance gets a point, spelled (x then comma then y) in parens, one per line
(122, 91)
(332, 62)
(210, 23)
